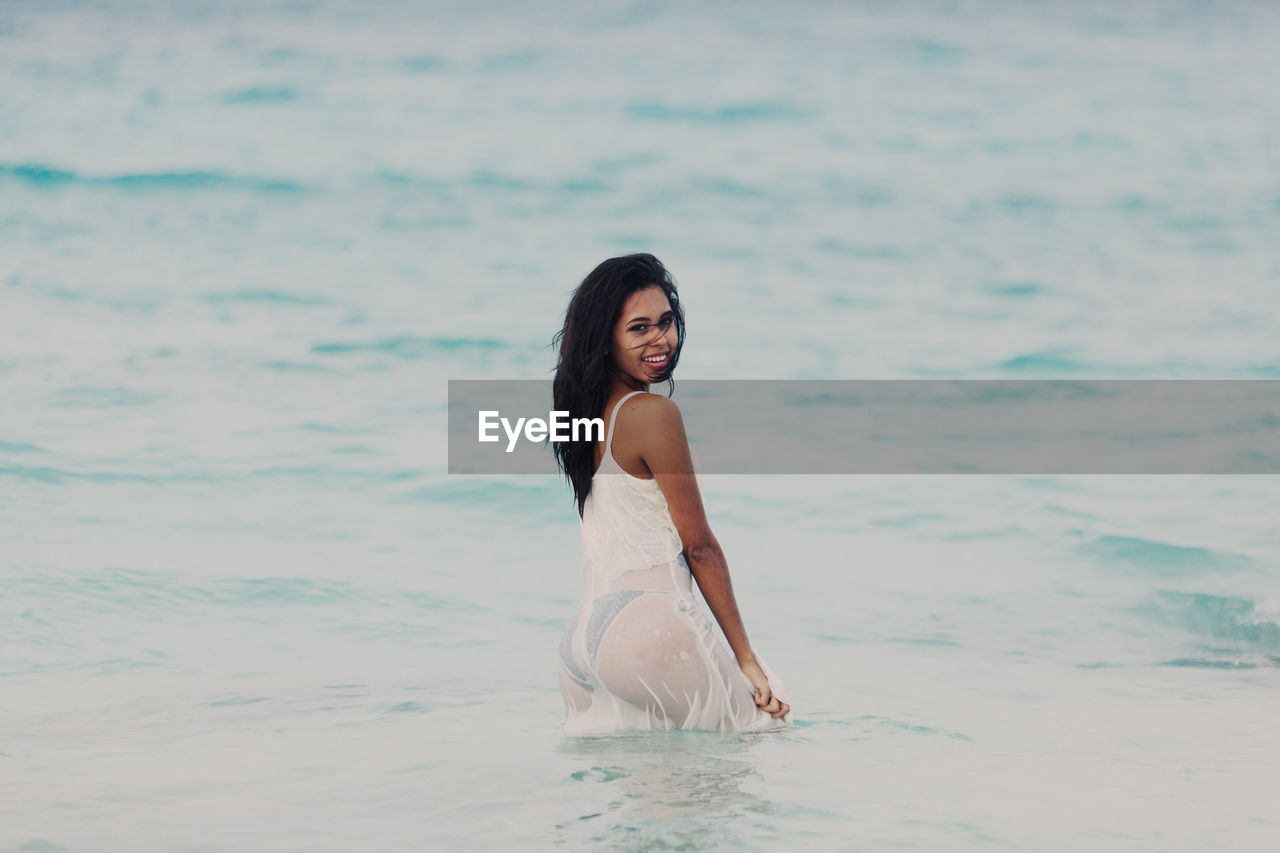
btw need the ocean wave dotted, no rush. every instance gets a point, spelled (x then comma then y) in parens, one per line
(409, 346)
(271, 297)
(57, 476)
(122, 589)
(1244, 625)
(44, 176)
(547, 502)
(1047, 363)
(18, 447)
(261, 95)
(737, 113)
(1210, 663)
(1161, 559)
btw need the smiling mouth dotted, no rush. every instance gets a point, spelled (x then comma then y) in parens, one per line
(656, 359)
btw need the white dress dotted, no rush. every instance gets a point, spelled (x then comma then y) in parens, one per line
(639, 653)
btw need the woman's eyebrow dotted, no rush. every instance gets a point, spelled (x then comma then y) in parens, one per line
(646, 319)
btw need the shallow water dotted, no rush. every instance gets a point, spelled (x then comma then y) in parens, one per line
(243, 247)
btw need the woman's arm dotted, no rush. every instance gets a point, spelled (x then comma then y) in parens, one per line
(665, 450)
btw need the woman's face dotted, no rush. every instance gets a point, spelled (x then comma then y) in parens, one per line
(644, 338)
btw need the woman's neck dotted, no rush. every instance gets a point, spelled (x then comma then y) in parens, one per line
(621, 387)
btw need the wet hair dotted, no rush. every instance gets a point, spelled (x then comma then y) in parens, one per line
(585, 368)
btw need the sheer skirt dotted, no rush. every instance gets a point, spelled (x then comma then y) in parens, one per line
(641, 653)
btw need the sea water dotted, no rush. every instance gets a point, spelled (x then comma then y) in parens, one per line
(244, 245)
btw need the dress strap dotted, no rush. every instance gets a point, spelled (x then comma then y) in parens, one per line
(613, 421)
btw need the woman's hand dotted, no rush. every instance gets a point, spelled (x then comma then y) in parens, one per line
(764, 694)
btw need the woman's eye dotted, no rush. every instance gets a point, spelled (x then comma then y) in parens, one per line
(666, 322)
(638, 328)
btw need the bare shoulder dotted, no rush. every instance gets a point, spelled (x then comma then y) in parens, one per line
(659, 435)
(664, 445)
(656, 412)
(650, 437)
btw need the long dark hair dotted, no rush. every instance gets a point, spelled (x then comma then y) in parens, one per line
(585, 370)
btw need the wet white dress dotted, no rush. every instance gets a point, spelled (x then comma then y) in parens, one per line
(640, 652)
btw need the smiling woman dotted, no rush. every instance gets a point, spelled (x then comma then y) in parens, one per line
(639, 653)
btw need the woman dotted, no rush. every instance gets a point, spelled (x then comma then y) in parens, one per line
(639, 653)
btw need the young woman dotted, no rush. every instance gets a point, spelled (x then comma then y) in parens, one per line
(639, 653)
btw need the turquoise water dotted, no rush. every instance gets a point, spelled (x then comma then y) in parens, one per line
(242, 247)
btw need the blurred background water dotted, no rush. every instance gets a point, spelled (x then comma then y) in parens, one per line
(243, 246)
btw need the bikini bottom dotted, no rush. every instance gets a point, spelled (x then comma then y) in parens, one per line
(645, 659)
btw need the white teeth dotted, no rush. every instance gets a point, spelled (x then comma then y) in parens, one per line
(654, 359)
